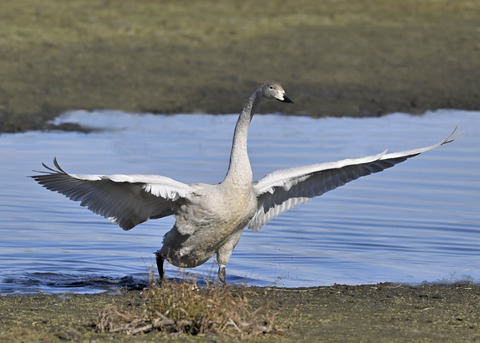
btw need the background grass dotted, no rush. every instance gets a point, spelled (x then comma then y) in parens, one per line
(333, 57)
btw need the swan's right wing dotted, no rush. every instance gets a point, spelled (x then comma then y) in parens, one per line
(283, 189)
(126, 200)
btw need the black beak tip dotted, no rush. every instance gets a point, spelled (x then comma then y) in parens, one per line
(287, 100)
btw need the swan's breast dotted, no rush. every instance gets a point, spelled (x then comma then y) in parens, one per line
(205, 222)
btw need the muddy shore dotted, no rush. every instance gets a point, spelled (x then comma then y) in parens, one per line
(337, 58)
(368, 313)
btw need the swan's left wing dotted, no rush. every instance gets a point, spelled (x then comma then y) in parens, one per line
(281, 190)
(126, 200)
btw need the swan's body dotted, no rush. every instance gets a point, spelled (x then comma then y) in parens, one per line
(210, 218)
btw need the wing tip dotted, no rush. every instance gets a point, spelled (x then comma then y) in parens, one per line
(50, 170)
(454, 135)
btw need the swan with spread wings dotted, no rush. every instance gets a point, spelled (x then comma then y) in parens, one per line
(210, 219)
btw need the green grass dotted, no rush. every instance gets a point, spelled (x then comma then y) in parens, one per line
(333, 57)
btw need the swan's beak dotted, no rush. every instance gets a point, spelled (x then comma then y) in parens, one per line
(287, 99)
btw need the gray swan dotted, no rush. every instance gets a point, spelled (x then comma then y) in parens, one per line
(211, 218)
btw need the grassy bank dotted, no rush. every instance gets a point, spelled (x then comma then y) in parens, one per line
(334, 58)
(370, 313)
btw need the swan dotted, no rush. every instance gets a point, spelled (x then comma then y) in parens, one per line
(210, 219)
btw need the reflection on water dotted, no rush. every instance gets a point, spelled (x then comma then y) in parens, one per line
(418, 221)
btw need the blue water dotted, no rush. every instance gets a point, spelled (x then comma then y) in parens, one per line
(419, 221)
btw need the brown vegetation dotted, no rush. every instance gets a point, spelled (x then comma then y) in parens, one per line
(182, 306)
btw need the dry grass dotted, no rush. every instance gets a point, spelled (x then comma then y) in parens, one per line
(183, 306)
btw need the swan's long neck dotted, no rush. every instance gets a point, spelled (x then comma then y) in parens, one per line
(239, 171)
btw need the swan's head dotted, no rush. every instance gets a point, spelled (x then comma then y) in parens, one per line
(272, 90)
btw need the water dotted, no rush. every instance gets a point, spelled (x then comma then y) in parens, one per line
(419, 221)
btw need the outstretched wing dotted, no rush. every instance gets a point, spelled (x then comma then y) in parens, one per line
(126, 200)
(283, 189)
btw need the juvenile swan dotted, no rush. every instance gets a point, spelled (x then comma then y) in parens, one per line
(210, 218)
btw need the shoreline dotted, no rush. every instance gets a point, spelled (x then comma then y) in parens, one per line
(381, 312)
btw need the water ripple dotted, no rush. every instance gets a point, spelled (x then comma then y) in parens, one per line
(419, 221)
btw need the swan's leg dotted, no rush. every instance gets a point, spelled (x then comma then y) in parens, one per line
(224, 253)
(160, 260)
(222, 274)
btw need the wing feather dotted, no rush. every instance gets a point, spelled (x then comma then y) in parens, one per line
(126, 200)
(283, 189)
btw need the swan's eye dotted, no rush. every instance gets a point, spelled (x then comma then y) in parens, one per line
(271, 87)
